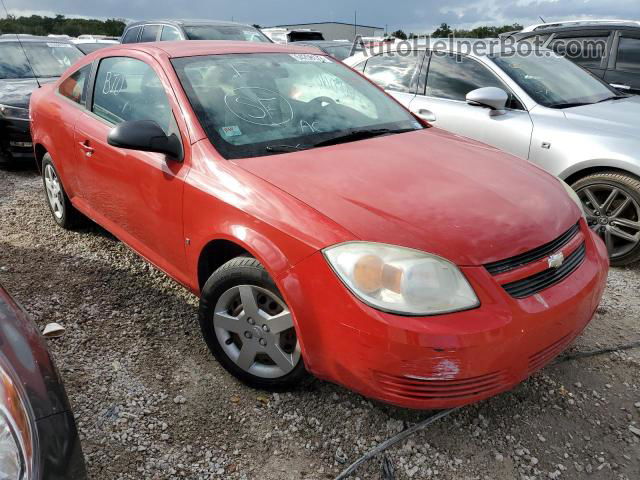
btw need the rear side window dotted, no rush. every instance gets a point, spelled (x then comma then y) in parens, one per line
(150, 33)
(393, 70)
(132, 35)
(585, 51)
(128, 89)
(169, 34)
(74, 87)
(628, 54)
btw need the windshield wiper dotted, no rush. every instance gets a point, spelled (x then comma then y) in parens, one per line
(569, 105)
(613, 97)
(356, 135)
(580, 104)
(286, 148)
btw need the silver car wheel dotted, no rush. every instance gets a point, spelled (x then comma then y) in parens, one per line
(614, 215)
(255, 330)
(54, 191)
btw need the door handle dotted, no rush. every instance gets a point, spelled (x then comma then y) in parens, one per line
(620, 87)
(427, 115)
(88, 149)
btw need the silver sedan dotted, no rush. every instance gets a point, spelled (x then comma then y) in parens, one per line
(538, 106)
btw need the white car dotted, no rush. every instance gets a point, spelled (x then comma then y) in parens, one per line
(537, 106)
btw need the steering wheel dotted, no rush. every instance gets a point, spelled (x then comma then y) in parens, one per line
(320, 100)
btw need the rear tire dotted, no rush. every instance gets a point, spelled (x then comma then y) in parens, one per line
(612, 203)
(64, 213)
(249, 328)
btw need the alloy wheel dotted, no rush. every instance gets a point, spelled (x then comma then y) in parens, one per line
(255, 329)
(614, 215)
(54, 191)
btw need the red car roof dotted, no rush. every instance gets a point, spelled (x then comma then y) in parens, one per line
(192, 48)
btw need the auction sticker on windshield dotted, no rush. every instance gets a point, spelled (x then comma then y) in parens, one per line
(308, 57)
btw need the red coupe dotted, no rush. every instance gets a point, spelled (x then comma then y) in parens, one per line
(324, 228)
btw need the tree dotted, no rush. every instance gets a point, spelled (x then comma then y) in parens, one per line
(399, 34)
(60, 25)
(443, 31)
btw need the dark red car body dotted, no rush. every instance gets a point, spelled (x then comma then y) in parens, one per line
(427, 190)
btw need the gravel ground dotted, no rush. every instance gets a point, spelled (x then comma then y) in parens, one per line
(152, 403)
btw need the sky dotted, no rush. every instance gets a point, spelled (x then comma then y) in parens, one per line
(418, 16)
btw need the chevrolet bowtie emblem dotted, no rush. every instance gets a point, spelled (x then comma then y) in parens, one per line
(556, 261)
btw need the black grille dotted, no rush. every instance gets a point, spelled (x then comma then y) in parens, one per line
(538, 282)
(533, 255)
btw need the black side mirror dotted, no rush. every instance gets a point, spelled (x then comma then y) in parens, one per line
(147, 136)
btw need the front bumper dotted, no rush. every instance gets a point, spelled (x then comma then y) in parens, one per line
(446, 360)
(15, 139)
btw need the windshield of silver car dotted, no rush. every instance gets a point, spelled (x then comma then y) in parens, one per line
(260, 104)
(554, 81)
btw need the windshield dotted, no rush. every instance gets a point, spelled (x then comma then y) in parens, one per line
(225, 32)
(256, 104)
(554, 81)
(48, 59)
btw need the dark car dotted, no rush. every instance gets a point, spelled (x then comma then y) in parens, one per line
(25, 64)
(38, 435)
(171, 30)
(337, 49)
(609, 49)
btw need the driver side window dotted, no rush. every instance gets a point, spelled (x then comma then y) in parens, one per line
(128, 89)
(453, 76)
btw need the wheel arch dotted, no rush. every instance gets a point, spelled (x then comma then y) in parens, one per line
(589, 168)
(214, 254)
(242, 240)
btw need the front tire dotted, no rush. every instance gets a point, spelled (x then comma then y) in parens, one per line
(611, 202)
(63, 212)
(249, 328)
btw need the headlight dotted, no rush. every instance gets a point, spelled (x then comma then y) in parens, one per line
(573, 195)
(14, 113)
(401, 280)
(17, 431)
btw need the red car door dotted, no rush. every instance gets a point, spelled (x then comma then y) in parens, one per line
(135, 195)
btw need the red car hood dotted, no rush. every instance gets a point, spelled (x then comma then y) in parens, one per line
(428, 190)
